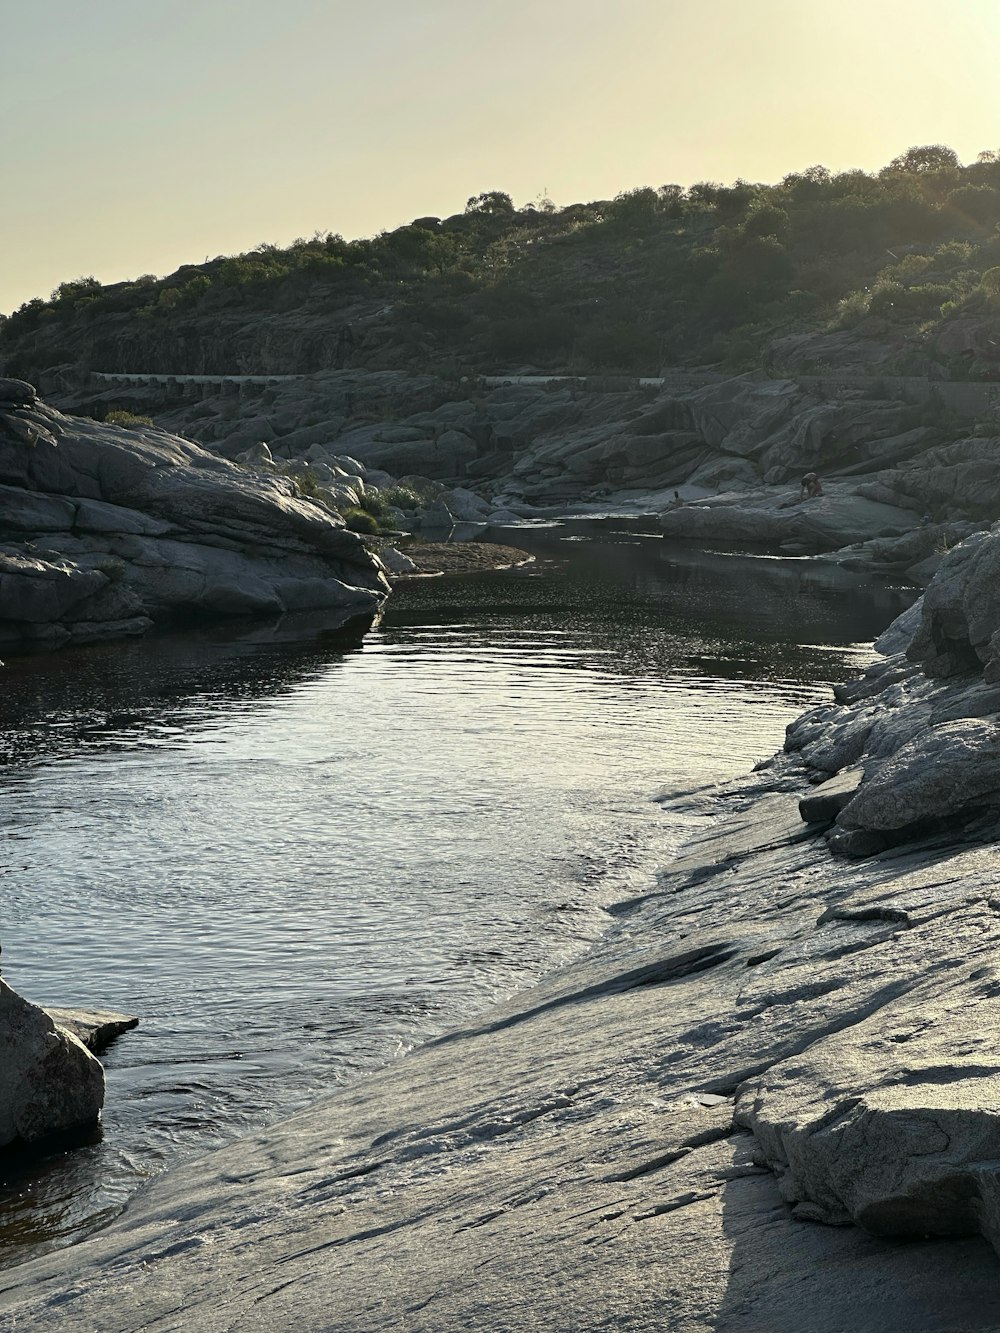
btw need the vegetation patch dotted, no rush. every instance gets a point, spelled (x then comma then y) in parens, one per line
(660, 276)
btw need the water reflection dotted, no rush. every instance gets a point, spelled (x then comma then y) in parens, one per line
(110, 694)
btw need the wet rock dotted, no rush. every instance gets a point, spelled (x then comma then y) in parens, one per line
(49, 1082)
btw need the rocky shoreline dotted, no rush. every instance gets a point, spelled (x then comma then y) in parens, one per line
(792, 1026)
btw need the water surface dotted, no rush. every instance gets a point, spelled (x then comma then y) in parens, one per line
(294, 854)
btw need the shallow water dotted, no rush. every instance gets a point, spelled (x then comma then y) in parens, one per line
(294, 854)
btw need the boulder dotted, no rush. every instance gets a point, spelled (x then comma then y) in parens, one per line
(437, 518)
(396, 562)
(17, 393)
(901, 1138)
(467, 505)
(960, 614)
(942, 770)
(259, 455)
(49, 1082)
(351, 466)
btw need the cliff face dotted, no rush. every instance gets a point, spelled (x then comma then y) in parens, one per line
(106, 529)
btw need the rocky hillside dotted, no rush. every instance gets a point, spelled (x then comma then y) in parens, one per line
(105, 529)
(898, 271)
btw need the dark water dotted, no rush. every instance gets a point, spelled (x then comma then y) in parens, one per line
(294, 854)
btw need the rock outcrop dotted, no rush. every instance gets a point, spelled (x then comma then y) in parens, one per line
(905, 462)
(777, 520)
(923, 724)
(105, 529)
(50, 1083)
(94, 1028)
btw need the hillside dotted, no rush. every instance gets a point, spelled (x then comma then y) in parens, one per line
(897, 272)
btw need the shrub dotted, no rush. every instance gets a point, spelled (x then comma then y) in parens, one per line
(766, 220)
(120, 417)
(358, 520)
(401, 497)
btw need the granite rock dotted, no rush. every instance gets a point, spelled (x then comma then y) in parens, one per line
(106, 529)
(50, 1083)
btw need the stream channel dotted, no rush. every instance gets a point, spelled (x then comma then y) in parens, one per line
(294, 854)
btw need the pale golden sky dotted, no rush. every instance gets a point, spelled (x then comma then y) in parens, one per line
(137, 135)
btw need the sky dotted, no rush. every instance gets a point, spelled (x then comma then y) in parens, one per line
(138, 135)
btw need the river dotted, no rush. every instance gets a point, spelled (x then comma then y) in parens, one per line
(294, 854)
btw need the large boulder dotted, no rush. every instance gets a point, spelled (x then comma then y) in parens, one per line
(49, 1082)
(961, 612)
(942, 770)
(106, 529)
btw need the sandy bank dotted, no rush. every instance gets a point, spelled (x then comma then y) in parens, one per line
(462, 557)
